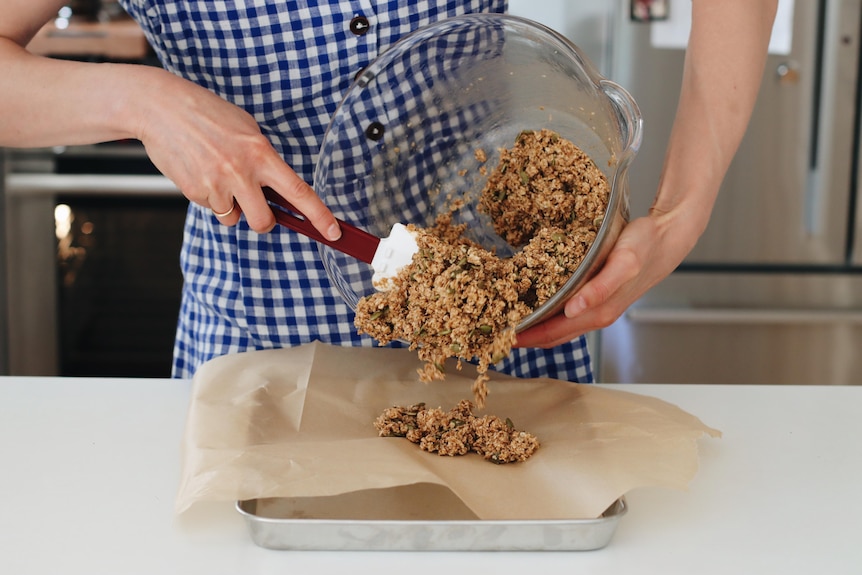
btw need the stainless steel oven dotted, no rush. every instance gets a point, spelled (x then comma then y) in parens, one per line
(92, 280)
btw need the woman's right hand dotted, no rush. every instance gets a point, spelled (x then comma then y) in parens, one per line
(212, 150)
(216, 154)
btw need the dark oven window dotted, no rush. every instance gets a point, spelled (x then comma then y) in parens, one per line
(119, 283)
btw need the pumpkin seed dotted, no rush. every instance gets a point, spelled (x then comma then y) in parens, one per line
(380, 313)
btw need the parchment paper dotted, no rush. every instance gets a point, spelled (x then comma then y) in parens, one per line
(297, 422)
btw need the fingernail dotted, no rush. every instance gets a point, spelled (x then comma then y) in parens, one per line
(334, 232)
(576, 306)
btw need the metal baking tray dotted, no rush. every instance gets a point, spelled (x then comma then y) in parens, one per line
(421, 517)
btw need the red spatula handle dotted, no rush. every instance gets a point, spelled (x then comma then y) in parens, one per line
(353, 241)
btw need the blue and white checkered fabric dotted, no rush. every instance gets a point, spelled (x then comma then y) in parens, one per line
(288, 64)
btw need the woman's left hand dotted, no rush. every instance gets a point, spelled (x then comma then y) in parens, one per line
(644, 255)
(723, 69)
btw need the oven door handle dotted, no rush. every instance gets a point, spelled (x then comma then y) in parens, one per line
(89, 184)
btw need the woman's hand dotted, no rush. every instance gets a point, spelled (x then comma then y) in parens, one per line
(212, 150)
(216, 154)
(645, 253)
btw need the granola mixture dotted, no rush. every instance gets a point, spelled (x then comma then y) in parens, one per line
(458, 300)
(543, 181)
(458, 432)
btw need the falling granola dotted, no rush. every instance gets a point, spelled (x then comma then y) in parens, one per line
(458, 300)
(458, 432)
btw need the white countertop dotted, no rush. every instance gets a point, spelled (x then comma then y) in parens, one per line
(90, 471)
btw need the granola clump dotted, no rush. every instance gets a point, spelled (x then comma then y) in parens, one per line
(457, 432)
(544, 181)
(459, 300)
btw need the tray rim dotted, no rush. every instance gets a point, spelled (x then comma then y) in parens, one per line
(614, 512)
(486, 535)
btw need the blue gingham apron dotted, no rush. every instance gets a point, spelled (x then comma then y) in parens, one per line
(288, 64)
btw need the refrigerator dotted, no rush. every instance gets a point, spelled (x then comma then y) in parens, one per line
(772, 293)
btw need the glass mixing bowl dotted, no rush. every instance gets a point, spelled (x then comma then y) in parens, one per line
(402, 144)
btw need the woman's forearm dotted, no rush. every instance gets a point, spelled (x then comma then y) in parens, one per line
(57, 102)
(211, 149)
(723, 71)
